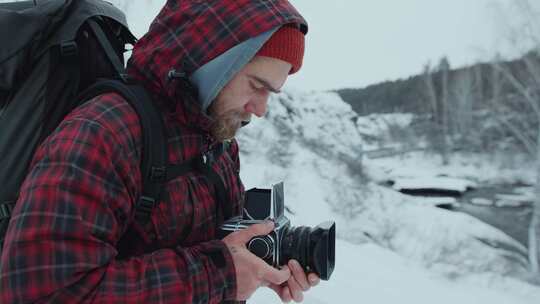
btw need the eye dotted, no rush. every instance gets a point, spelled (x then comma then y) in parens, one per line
(259, 88)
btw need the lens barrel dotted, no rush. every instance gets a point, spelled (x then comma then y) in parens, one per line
(313, 248)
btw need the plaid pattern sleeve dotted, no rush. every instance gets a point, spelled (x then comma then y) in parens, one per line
(72, 210)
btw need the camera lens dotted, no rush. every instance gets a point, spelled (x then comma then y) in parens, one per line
(313, 248)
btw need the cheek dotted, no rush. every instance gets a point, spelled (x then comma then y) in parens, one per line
(227, 108)
(238, 103)
(233, 98)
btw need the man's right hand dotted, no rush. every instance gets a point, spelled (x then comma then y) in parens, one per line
(251, 271)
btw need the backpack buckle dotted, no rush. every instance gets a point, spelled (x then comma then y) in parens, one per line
(146, 204)
(158, 174)
(6, 209)
(68, 49)
(205, 161)
(144, 208)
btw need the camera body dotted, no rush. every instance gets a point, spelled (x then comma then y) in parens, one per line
(313, 248)
(263, 205)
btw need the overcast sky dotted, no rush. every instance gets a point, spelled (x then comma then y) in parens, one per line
(355, 43)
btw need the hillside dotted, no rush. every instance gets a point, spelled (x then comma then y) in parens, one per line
(410, 95)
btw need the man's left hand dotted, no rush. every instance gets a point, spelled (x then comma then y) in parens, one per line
(297, 284)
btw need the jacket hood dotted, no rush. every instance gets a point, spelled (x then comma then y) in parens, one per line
(187, 34)
(215, 74)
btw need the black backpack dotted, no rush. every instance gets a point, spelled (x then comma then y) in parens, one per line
(62, 53)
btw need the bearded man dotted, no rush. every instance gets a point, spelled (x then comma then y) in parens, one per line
(209, 66)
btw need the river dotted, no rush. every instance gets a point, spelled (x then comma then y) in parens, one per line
(513, 220)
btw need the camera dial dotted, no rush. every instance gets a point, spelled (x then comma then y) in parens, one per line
(261, 246)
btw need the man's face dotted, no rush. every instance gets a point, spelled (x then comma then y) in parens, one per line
(246, 94)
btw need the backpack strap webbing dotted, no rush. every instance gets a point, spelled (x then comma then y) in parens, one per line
(108, 49)
(5, 213)
(203, 164)
(154, 143)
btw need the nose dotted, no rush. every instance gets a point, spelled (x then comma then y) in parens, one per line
(257, 105)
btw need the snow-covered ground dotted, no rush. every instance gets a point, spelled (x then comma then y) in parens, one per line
(371, 274)
(391, 248)
(473, 167)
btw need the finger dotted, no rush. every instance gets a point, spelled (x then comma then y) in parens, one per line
(254, 230)
(287, 293)
(296, 290)
(264, 284)
(275, 276)
(280, 291)
(299, 275)
(313, 279)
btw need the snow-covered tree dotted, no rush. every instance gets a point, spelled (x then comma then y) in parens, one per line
(519, 113)
(464, 89)
(436, 91)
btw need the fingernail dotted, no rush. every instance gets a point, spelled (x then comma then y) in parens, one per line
(269, 223)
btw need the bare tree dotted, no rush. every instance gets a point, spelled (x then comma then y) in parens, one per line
(438, 100)
(444, 69)
(463, 92)
(518, 110)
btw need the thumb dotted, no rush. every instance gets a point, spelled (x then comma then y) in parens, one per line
(276, 276)
(255, 230)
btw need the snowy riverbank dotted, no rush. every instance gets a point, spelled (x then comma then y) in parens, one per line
(392, 248)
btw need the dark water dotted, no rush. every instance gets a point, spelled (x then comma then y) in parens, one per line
(513, 221)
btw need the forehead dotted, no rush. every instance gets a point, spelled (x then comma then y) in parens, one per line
(273, 70)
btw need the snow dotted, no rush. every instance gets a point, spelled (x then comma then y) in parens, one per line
(439, 183)
(435, 201)
(511, 200)
(506, 203)
(472, 167)
(391, 248)
(481, 201)
(371, 274)
(377, 125)
(529, 191)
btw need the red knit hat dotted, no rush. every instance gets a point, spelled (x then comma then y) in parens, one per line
(286, 44)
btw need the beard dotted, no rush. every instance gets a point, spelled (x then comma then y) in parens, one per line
(227, 124)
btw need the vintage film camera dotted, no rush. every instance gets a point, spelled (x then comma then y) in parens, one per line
(313, 248)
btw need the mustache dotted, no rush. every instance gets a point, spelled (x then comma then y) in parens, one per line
(243, 118)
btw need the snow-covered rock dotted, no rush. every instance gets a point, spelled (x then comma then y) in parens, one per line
(512, 200)
(479, 201)
(436, 201)
(433, 183)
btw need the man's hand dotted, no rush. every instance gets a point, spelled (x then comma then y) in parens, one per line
(251, 271)
(296, 285)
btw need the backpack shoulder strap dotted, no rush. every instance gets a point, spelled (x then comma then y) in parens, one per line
(154, 142)
(203, 164)
(110, 52)
(155, 169)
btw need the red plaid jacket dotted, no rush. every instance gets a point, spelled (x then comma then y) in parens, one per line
(77, 201)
